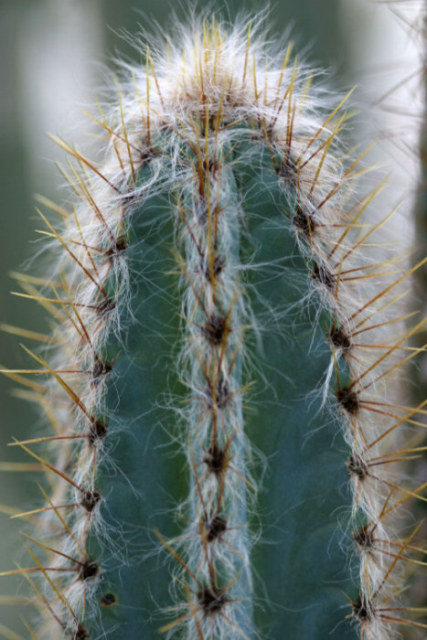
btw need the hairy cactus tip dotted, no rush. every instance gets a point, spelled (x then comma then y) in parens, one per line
(228, 443)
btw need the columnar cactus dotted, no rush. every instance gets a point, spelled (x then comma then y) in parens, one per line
(228, 430)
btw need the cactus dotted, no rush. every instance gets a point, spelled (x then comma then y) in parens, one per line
(228, 433)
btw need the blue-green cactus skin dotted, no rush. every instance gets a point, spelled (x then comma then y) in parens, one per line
(304, 491)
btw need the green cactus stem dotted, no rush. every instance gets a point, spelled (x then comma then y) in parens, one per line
(227, 421)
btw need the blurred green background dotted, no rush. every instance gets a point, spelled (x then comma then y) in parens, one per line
(52, 54)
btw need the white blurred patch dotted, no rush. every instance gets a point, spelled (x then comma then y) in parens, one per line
(387, 61)
(59, 46)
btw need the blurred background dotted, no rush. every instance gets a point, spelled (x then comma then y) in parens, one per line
(52, 59)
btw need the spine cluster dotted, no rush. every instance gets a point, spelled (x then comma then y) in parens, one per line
(181, 117)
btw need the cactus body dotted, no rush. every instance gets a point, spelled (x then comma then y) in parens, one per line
(217, 433)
